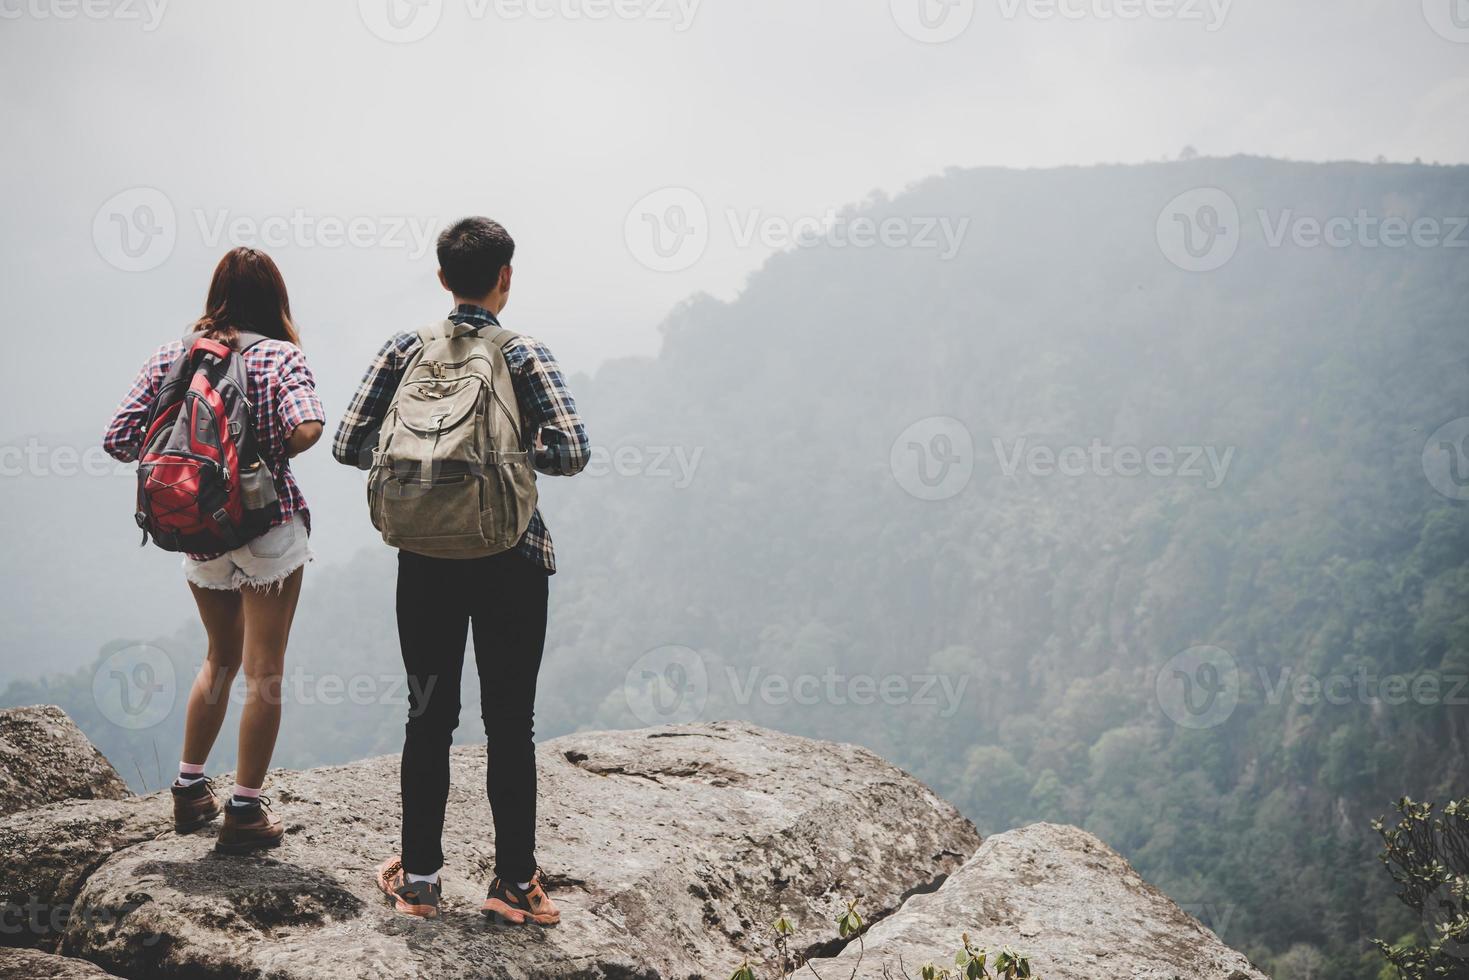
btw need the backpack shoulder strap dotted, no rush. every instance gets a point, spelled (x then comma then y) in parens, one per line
(247, 340)
(439, 330)
(502, 338)
(244, 339)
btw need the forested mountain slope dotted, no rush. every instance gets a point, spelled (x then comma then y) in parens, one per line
(1033, 618)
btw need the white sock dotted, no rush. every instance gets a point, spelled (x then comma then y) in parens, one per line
(189, 774)
(432, 879)
(523, 885)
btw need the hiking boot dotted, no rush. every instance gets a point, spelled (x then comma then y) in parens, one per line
(511, 906)
(420, 898)
(249, 828)
(194, 806)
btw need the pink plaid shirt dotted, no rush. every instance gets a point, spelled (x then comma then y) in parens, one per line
(282, 393)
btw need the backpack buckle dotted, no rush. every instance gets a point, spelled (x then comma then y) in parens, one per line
(221, 517)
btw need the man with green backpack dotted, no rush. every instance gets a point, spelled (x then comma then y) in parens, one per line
(452, 422)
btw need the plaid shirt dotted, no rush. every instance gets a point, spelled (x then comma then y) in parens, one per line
(540, 389)
(282, 393)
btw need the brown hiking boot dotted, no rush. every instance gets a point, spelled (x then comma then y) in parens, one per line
(420, 898)
(249, 828)
(511, 906)
(194, 806)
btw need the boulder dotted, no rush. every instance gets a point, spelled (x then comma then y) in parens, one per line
(30, 964)
(1061, 897)
(670, 852)
(45, 758)
(53, 849)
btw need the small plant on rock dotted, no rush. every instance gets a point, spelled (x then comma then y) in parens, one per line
(970, 962)
(1428, 857)
(974, 963)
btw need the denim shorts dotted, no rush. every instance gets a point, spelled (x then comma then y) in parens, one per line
(265, 562)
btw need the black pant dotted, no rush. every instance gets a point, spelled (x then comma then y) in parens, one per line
(505, 597)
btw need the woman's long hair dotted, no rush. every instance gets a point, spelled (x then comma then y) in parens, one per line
(247, 294)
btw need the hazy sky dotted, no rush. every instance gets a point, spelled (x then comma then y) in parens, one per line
(290, 119)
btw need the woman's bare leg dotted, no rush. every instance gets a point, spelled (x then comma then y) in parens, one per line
(209, 699)
(268, 616)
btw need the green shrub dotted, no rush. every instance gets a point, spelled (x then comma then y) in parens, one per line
(1428, 857)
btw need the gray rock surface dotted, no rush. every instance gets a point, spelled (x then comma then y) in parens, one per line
(30, 964)
(50, 851)
(1060, 896)
(669, 851)
(45, 758)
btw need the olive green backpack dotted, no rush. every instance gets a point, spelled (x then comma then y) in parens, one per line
(451, 477)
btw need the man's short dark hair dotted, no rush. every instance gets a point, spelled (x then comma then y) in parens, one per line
(471, 253)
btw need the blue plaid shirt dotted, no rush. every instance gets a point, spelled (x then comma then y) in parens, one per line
(540, 389)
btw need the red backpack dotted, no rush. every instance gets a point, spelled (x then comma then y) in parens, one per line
(202, 486)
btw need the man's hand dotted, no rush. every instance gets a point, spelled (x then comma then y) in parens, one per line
(302, 438)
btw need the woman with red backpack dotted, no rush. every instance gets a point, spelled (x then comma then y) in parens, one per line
(213, 420)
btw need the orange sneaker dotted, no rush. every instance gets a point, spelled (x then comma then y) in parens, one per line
(511, 906)
(420, 898)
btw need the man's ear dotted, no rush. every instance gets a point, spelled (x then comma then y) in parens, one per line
(505, 274)
(444, 282)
